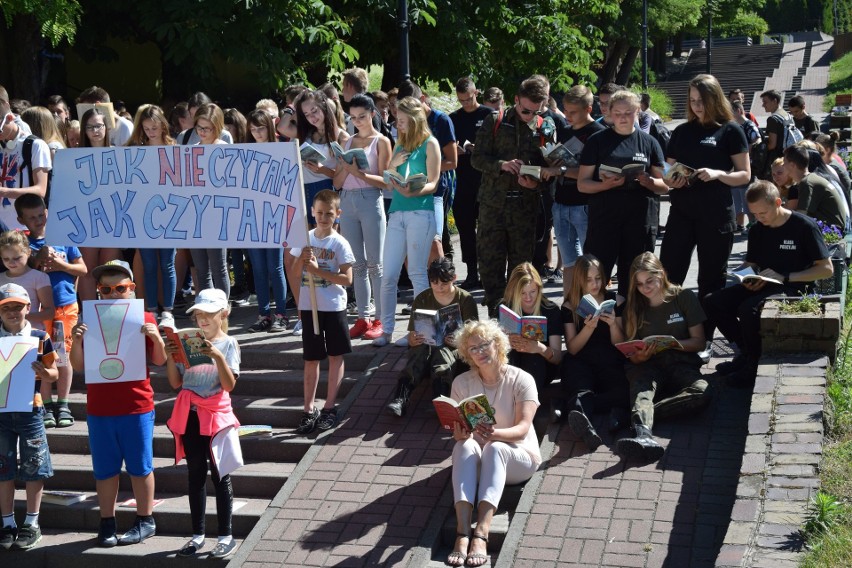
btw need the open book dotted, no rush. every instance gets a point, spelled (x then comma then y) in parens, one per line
(554, 153)
(531, 327)
(355, 155)
(531, 171)
(467, 146)
(748, 274)
(630, 171)
(660, 343)
(413, 183)
(190, 341)
(469, 411)
(676, 171)
(588, 306)
(435, 325)
(311, 153)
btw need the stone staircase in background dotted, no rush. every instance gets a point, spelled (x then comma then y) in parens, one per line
(262, 396)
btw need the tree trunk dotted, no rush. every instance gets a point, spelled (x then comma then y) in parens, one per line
(626, 68)
(22, 47)
(613, 59)
(677, 50)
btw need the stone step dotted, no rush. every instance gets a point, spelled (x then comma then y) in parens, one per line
(260, 480)
(172, 516)
(282, 446)
(78, 549)
(283, 413)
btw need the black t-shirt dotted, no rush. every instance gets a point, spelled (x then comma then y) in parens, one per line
(775, 125)
(566, 188)
(673, 317)
(614, 149)
(711, 147)
(792, 247)
(466, 125)
(600, 338)
(806, 125)
(554, 319)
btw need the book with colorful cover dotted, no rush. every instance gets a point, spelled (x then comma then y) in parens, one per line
(660, 343)
(531, 327)
(435, 325)
(311, 153)
(588, 306)
(354, 155)
(471, 411)
(559, 153)
(190, 341)
(676, 171)
(248, 430)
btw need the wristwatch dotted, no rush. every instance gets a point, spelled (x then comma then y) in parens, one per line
(563, 170)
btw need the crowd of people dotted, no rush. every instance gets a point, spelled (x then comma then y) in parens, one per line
(515, 177)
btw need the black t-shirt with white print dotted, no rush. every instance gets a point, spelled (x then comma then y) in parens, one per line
(613, 149)
(566, 188)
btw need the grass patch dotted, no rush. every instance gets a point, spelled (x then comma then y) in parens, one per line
(660, 101)
(839, 80)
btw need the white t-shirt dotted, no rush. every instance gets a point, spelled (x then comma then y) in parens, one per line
(515, 387)
(203, 380)
(194, 138)
(119, 135)
(330, 162)
(331, 252)
(32, 281)
(11, 164)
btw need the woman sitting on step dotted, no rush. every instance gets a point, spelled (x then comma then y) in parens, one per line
(491, 455)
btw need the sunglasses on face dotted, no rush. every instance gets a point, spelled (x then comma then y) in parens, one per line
(119, 288)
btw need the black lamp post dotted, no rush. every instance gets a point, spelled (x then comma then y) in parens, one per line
(709, 34)
(645, 44)
(402, 19)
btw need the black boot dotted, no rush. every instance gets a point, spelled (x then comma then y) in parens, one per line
(399, 404)
(583, 429)
(642, 448)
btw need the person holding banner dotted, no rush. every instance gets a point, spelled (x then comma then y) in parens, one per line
(151, 128)
(267, 264)
(23, 429)
(364, 224)
(120, 417)
(94, 134)
(411, 223)
(211, 265)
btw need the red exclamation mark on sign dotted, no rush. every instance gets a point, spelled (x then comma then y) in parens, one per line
(111, 319)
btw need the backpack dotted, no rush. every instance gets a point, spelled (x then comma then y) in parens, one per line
(661, 134)
(27, 155)
(538, 122)
(792, 134)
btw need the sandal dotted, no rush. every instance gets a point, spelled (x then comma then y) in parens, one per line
(457, 558)
(477, 558)
(64, 418)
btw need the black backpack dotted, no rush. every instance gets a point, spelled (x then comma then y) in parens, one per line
(27, 155)
(661, 134)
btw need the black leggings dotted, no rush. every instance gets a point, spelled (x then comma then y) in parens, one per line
(197, 448)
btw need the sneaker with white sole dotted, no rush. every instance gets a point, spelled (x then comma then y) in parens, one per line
(263, 323)
(279, 324)
(167, 321)
(297, 329)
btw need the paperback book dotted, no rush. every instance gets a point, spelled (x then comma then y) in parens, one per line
(531, 327)
(588, 306)
(470, 411)
(189, 342)
(748, 274)
(311, 153)
(413, 183)
(355, 155)
(435, 325)
(660, 343)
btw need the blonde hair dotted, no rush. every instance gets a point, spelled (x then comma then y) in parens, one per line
(212, 113)
(578, 281)
(14, 238)
(418, 131)
(155, 114)
(224, 325)
(488, 330)
(637, 304)
(523, 275)
(624, 96)
(43, 124)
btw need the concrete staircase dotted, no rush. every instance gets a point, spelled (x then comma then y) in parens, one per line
(261, 397)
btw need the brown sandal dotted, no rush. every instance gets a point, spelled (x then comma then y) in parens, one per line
(477, 558)
(457, 558)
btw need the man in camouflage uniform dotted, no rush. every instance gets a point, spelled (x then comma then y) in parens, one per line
(508, 202)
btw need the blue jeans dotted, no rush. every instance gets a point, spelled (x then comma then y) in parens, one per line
(22, 436)
(211, 265)
(439, 217)
(162, 260)
(363, 225)
(570, 223)
(409, 233)
(738, 195)
(267, 265)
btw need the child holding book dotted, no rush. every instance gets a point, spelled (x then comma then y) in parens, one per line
(24, 430)
(63, 265)
(655, 306)
(202, 418)
(328, 260)
(120, 417)
(593, 372)
(440, 362)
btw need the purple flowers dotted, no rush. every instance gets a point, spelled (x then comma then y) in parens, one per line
(830, 233)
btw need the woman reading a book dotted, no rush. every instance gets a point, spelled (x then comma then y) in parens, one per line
(702, 208)
(664, 382)
(363, 225)
(411, 217)
(593, 372)
(621, 170)
(490, 456)
(538, 357)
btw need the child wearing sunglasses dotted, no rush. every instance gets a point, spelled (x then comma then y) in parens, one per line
(120, 417)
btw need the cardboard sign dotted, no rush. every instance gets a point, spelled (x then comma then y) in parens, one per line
(114, 345)
(17, 378)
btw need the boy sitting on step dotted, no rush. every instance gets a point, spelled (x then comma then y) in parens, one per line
(439, 362)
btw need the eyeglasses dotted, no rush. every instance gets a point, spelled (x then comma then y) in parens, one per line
(203, 129)
(119, 288)
(481, 348)
(94, 127)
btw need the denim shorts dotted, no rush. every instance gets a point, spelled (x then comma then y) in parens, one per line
(128, 438)
(22, 436)
(570, 223)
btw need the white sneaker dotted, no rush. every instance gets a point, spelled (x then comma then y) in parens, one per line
(167, 320)
(371, 309)
(382, 340)
(297, 329)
